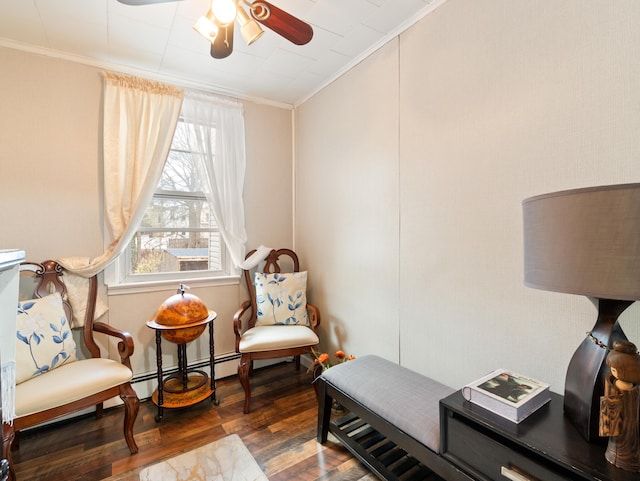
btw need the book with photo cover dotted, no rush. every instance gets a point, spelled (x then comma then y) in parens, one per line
(508, 394)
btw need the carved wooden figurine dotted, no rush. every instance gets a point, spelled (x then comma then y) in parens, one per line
(620, 407)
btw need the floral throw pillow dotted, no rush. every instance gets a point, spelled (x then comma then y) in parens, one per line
(281, 299)
(43, 337)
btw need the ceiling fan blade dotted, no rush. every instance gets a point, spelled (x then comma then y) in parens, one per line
(281, 22)
(222, 45)
(145, 2)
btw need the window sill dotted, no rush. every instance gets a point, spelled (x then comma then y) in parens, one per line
(153, 286)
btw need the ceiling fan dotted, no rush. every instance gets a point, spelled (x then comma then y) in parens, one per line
(217, 25)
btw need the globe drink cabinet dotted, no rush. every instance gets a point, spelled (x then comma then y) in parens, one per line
(181, 319)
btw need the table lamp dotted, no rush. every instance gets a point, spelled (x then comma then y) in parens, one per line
(587, 242)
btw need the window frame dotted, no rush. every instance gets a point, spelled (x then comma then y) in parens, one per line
(119, 279)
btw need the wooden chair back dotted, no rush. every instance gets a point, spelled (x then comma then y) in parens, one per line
(48, 278)
(278, 261)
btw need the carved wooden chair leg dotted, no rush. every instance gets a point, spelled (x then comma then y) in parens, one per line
(243, 375)
(297, 360)
(131, 407)
(99, 410)
(15, 444)
(8, 437)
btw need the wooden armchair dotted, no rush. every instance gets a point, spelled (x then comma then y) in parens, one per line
(56, 383)
(278, 322)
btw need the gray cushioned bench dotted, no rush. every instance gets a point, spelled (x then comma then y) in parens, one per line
(393, 424)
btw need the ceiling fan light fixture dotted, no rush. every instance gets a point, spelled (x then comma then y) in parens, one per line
(224, 11)
(249, 28)
(206, 27)
(260, 11)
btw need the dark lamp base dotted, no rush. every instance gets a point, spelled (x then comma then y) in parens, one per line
(587, 370)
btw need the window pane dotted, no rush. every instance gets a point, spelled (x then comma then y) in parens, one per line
(180, 173)
(176, 213)
(157, 252)
(178, 231)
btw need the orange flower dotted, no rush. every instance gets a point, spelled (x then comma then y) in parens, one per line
(323, 360)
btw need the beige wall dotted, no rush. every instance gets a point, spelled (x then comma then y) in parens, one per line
(50, 188)
(412, 168)
(347, 205)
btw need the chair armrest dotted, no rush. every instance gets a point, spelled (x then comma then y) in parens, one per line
(314, 317)
(237, 322)
(125, 346)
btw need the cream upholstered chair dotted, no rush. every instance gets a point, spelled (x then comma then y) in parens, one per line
(50, 380)
(276, 321)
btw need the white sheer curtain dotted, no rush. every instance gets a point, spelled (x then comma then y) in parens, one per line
(140, 117)
(223, 167)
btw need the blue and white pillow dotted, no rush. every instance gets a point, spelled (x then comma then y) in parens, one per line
(43, 337)
(281, 299)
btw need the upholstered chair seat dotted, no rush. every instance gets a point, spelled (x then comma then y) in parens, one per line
(272, 338)
(69, 383)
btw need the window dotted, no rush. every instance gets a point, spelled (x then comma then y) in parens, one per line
(178, 237)
(192, 227)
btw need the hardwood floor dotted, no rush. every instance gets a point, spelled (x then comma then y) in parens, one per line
(279, 432)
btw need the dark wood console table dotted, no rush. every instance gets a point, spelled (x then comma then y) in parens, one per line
(543, 447)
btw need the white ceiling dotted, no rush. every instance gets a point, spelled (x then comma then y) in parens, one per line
(158, 42)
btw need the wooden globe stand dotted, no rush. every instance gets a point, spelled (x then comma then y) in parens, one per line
(186, 386)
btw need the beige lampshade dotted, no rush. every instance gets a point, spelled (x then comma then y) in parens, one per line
(584, 241)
